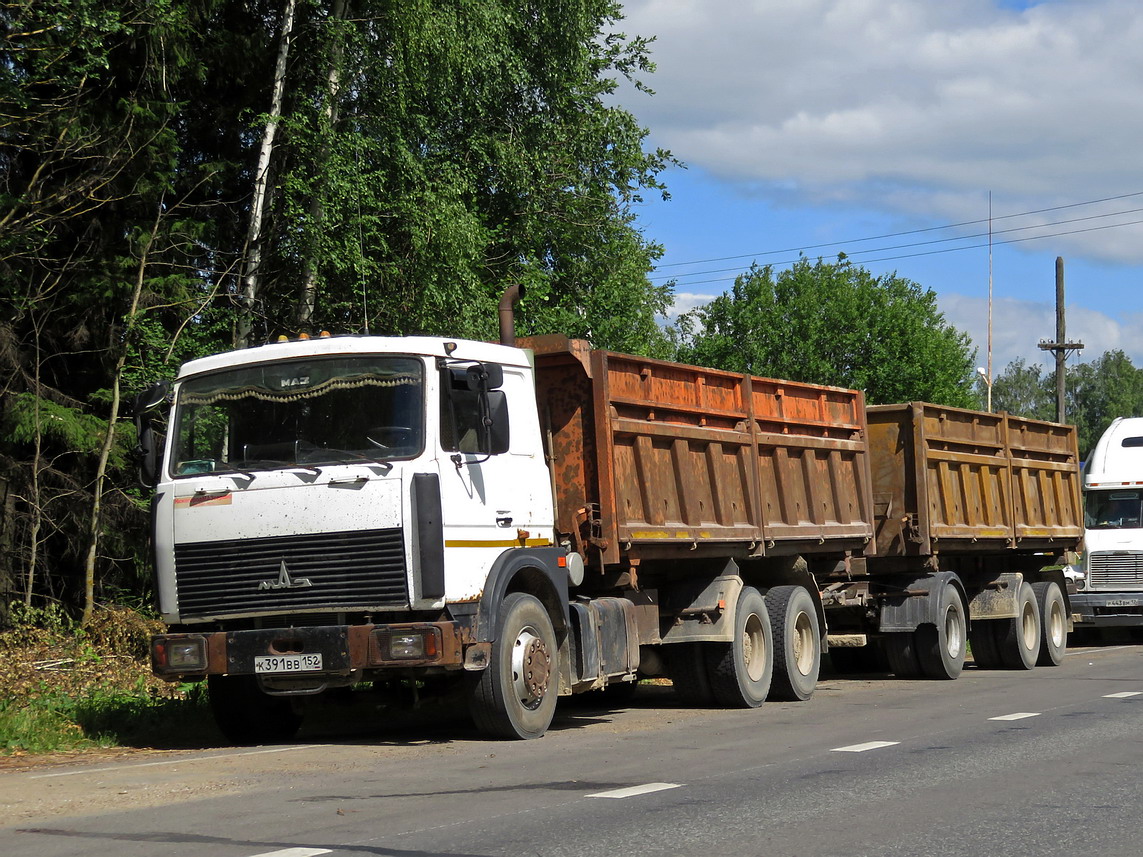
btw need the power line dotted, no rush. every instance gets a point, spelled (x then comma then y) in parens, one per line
(936, 252)
(961, 224)
(943, 240)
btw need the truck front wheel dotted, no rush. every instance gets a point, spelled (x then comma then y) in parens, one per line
(515, 696)
(246, 715)
(740, 671)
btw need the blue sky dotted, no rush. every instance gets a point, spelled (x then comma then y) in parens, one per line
(809, 125)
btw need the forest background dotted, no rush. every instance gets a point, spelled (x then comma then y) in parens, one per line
(182, 177)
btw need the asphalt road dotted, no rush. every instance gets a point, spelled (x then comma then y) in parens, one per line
(1038, 763)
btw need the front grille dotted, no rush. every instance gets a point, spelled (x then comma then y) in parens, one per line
(1115, 570)
(345, 571)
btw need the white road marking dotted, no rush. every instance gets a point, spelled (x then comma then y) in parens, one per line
(1123, 694)
(633, 791)
(861, 748)
(174, 762)
(1019, 715)
(296, 852)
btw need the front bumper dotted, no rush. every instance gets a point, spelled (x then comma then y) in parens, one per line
(344, 650)
(1107, 609)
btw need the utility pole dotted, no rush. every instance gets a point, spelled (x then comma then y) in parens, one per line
(1061, 346)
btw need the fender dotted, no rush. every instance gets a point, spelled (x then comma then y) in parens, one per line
(908, 612)
(533, 570)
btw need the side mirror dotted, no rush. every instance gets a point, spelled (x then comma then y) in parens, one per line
(147, 449)
(485, 376)
(151, 398)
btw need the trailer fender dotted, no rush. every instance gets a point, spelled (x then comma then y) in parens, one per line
(905, 607)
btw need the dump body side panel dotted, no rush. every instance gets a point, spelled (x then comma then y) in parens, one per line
(948, 479)
(690, 459)
(1047, 502)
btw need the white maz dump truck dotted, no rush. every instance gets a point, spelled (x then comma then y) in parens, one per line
(496, 526)
(1110, 592)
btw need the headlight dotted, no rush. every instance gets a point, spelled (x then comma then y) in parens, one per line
(178, 654)
(413, 644)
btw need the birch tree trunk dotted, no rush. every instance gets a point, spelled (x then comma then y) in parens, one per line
(251, 280)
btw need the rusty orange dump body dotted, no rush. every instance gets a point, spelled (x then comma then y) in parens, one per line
(952, 480)
(653, 459)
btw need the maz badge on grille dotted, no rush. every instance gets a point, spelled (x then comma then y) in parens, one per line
(284, 581)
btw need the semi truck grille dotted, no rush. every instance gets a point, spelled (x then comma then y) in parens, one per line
(1115, 571)
(322, 571)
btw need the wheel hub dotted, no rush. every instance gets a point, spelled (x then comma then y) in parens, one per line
(531, 668)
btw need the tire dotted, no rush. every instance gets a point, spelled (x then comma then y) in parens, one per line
(901, 650)
(982, 640)
(1018, 639)
(686, 667)
(797, 643)
(740, 672)
(246, 715)
(1053, 623)
(515, 696)
(941, 647)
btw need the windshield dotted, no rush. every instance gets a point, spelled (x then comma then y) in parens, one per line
(1113, 510)
(300, 413)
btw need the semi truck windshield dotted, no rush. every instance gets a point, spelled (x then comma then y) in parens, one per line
(1114, 510)
(300, 414)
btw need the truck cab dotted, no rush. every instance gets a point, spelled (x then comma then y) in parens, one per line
(1111, 589)
(341, 509)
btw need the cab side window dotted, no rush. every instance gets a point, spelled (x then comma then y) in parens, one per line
(472, 421)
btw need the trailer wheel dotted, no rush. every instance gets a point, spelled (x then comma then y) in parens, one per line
(1053, 623)
(686, 667)
(901, 650)
(515, 695)
(941, 647)
(982, 640)
(246, 715)
(1018, 639)
(740, 671)
(797, 643)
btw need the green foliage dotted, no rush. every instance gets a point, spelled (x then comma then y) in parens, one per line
(834, 323)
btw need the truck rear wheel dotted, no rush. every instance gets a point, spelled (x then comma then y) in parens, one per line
(941, 647)
(1018, 638)
(982, 640)
(901, 650)
(797, 643)
(686, 667)
(740, 671)
(1053, 623)
(246, 715)
(515, 695)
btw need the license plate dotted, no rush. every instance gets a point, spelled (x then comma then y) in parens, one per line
(1123, 602)
(287, 663)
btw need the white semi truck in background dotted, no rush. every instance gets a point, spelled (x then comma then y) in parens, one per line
(504, 525)
(1109, 591)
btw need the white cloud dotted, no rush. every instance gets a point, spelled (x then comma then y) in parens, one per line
(907, 104)
(1019, 326)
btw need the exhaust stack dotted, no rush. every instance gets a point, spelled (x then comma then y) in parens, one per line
(512, 296)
